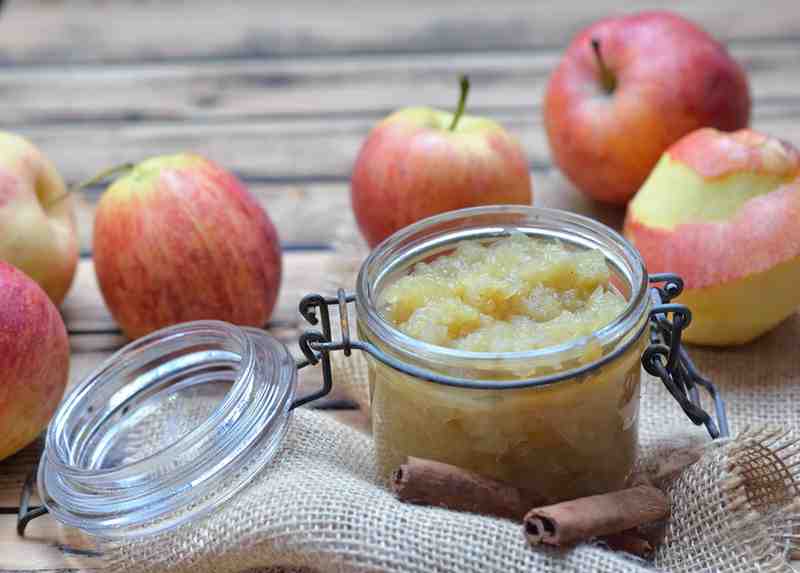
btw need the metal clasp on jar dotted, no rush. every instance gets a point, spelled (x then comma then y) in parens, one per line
(664, 357)
(667, 359)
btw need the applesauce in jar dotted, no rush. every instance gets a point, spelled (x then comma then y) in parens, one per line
(530, 324)
(514, 294)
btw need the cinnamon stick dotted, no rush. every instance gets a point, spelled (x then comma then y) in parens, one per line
(427, 482)
(581, 519)
(665, 467)
(654, 533)
(630, 542)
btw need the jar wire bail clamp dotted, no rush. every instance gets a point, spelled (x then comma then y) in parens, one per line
(664, 357)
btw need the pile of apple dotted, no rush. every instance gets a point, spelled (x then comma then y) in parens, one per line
(647, 108)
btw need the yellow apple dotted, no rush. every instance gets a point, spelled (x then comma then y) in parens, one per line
(722, 210)
(37, 225)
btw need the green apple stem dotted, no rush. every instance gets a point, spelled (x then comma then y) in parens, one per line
(99, 178)
(463, 82)
(607, 78)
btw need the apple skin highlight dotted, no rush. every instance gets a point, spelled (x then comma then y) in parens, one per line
(670, 78)
(180, 239)
(722, 210)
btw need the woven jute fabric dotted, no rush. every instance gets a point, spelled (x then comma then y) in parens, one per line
(319, 505)
(737, 509)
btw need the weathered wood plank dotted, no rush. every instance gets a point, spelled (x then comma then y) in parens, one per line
(88, 30)
(219, 89)
(47, 546)
(281, 89)
(13, 472)
(304, 150)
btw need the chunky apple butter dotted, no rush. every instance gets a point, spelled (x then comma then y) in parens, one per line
(518, 293)
(511, 295)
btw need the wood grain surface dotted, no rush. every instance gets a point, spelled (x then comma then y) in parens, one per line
(283, 93)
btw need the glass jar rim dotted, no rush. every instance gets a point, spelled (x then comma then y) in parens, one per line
(190, 474)
(403, 245)
(55, 434)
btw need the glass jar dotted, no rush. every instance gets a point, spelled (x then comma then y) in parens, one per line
(560, 420)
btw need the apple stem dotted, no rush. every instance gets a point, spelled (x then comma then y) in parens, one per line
(100, 177)
(463, 82)
(606, 75)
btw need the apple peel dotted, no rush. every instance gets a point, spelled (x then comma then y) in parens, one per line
(742, 150)
(765, 231)
(722, 211)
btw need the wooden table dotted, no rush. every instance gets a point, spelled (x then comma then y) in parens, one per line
(283, 93)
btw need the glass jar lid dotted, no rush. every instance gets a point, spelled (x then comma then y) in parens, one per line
(167, 429)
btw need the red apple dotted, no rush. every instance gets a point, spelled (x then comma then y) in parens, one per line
(627, 88)
(179, 238)
(421, 161)
(722, 211)
(34, 359)
(37, 224)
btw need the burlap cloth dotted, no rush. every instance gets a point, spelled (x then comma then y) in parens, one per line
(319, 505)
